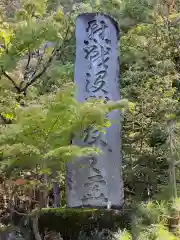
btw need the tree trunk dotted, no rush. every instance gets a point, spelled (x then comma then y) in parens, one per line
(56, 193)
(35, 227)
(172, 166)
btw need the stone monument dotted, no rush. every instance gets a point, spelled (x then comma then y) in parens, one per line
(99, 182)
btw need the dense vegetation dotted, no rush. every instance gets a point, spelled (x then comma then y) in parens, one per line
(39, 116)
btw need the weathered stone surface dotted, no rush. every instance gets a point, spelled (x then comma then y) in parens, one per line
(97, 180)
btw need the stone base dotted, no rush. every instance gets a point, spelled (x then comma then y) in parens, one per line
(69, 222)
(113, 207)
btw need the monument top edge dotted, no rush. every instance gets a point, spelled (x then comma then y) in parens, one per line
(114, 22)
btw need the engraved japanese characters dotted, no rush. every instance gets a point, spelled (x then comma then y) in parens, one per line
(97, 180)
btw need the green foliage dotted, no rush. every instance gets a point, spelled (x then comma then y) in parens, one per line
(96, 235)
(122, 235)
(157, 233)
(151, 221)
(44, 130)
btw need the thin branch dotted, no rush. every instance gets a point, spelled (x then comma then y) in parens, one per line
(34, 212)
(140, 135)
(27, 65)
(38, 63)
(35, 78)
(128, 191)
(12, 81)
(21, 214)
(54, 52)
(29, 59)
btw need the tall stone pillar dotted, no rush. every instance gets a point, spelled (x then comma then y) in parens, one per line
(96, 181)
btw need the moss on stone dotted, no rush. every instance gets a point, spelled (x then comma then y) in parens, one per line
(69, 222)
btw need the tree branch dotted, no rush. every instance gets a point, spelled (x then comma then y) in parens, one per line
(12, 81)
(29, 59)
(38, 63)
(35, 227)
(177, 163)
(20, 214)
(54, 52)
(27, 65)
(36, 77)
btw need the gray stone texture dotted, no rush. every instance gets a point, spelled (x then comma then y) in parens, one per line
(96, 181)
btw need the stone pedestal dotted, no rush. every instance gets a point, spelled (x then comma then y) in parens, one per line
(96, 181)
